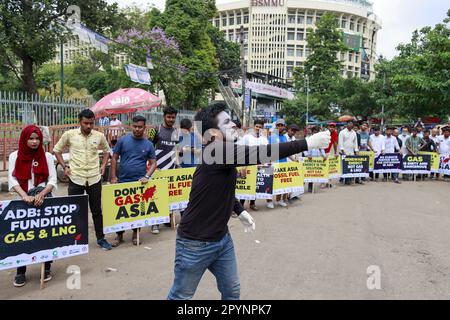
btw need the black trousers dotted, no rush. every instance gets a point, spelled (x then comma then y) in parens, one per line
(252, 202)
(22, 270)
(95, 203)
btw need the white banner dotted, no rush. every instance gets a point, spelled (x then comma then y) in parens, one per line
(138, 74)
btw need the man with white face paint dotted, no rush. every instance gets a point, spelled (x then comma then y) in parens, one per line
(203, 240)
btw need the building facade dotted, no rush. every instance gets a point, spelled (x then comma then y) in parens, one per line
(276, 33)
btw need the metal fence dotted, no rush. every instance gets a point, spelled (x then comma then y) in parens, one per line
(19, 108)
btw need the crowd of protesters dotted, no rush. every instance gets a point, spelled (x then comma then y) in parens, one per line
(135, 157)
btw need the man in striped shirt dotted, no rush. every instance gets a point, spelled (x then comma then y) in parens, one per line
(165, 137)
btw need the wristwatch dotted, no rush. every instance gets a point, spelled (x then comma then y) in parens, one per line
(147, 177)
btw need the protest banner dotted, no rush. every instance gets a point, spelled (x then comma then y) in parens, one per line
(315, 170)
(134, 205)
(179, 185)
(444, 164)
(246, 187)
(355, 166)
(371, 155)
(287, 177)
(334, 167)
(264, 183)
(388, 163)
(56, 230)
(420, 164)
(435, 159)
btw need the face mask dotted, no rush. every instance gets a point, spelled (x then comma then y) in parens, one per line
(227, 127)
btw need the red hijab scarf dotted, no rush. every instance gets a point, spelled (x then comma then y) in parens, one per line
(30, 159)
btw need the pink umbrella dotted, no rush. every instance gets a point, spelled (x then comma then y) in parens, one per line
(125, 101)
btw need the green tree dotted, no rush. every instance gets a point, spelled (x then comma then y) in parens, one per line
(31, 30)
(188, 22)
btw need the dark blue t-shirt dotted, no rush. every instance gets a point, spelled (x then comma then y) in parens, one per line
(134, 154)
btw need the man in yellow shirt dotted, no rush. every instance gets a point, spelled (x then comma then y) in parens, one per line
(83, 169)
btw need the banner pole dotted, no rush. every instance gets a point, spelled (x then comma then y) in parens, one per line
(42, 275)
(138, 236)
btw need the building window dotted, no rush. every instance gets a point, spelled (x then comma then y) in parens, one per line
(290, 51)
(344, 23)
(364, 28)
(301, 19)
(291, 18)
(238, 20)
(291, 36)
(245, 19)
(352, 24)
(217, 23)
(307, 52)
(309, 20)
(350, 57)
(231, 21)
(224, 22)
(300, 36)
(358, 27)
(231, 37)
(300, 51)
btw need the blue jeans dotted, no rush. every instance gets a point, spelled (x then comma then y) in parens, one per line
(193, 257)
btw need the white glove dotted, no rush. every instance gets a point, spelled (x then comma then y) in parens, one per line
(319, 140)
(247, 221)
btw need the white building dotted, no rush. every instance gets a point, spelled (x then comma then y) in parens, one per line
(275, 33)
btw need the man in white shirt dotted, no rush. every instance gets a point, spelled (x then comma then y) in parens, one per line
(391, 146)
(293, 129)
(444, 144)
(114, 133)
(348, 140)
(254, 138)
(348, 144)
(403, 137)
(376, 143)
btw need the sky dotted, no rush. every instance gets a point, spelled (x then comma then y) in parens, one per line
(399, 18)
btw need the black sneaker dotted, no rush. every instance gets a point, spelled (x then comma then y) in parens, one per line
(20, 280)
(47, 276)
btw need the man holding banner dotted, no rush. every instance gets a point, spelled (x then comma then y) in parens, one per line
(390, 147)
(444, 151)
(134, 152)
(203, 239)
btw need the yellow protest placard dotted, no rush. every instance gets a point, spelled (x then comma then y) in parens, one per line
(133, 205)
(287, 177)
(179, 185)
(315, 169)
(371, 155)
(246, 187)
(334, 167)
(435, 159)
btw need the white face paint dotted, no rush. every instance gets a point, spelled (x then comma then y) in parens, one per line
(227, 127)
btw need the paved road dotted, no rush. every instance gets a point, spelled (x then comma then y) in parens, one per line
(318, 248)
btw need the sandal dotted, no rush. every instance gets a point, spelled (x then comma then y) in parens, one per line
(117, 241)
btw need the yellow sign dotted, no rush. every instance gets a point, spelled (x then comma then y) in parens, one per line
(133, 205)
(246, 187)
(435, 159)
(371, 155)
(315, 169)
(180, 182)
(334, 167)
(287, 177)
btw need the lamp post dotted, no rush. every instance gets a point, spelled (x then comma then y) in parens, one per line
(307, 98)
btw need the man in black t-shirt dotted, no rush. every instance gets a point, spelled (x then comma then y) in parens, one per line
(203, 240)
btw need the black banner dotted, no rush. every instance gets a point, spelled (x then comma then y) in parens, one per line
(388, 163)
(420, 164)
(264, 183)
(57, 229)
(355, 166)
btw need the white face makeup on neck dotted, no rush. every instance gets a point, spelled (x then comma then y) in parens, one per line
(227, 127)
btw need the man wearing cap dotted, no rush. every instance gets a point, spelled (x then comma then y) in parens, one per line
(333, 146)
(276, 138)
